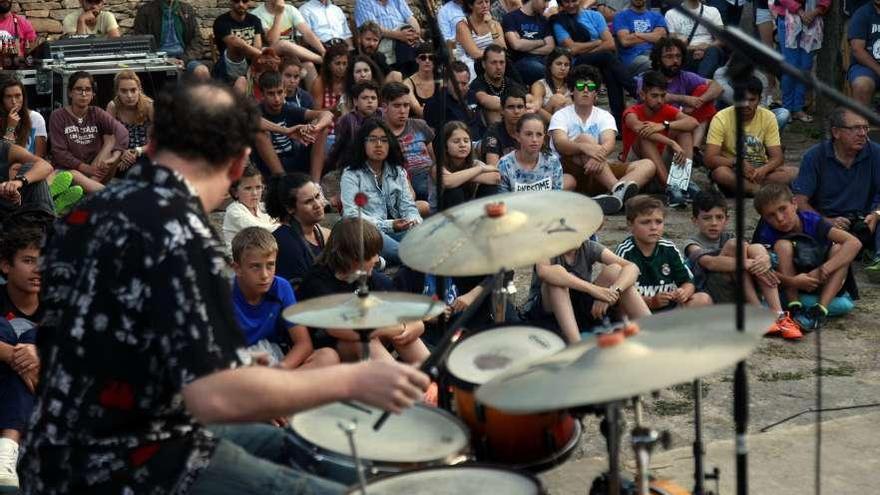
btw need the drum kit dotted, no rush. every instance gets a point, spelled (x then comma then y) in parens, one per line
(518, 391)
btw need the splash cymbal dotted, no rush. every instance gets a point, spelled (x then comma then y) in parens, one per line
(350, 311)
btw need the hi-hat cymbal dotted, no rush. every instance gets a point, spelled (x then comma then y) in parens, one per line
(350, 311)
(671, 348)
(466, 240)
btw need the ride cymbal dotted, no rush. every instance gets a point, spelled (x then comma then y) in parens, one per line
(350, 311)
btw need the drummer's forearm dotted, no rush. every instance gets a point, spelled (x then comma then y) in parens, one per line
(259, 393)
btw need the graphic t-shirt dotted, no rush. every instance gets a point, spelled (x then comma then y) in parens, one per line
(546, 176)
(289, 20)
(528, 27)
(247, 29)
(591, 20)
(663, 271)
(498, 141)
(761, 132)
(414, 141)
(637, 22)
(567, 119)
(865, 25)
(263, 321)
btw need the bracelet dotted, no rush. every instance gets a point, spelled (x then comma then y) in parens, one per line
(10, 130)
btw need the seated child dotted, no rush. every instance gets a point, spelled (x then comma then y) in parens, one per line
(336, 272)
(247, 210)
(711, 253)
(19, 362)
(664, 280)
(259, 297)
(578, 304)
(814, 257)
(366, 102)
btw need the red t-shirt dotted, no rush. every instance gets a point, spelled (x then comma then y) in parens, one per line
(666, 112)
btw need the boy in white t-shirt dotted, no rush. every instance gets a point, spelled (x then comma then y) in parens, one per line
(279, 23)
(584, 135)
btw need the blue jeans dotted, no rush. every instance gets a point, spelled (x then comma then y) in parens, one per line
(249, 459)
(711, 61)
(391, 246)
(16, 400)
(793, 91)
(531, 68)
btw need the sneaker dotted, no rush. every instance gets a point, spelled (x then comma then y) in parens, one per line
(8, 461)
(610, 204)
(873, 270)
(60, 183)
(785, 327)
(692, 191)
(811, 318)
(625, 190)
(675, 198)
(67, 199)
(382, 264)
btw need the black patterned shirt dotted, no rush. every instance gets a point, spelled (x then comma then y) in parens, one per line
(136, 306)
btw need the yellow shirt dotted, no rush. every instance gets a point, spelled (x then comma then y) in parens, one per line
(105, 22)
(761, 133)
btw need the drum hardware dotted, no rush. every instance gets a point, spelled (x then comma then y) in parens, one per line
(349, 427)
(699, 450)
(465, 479)
(643, 441)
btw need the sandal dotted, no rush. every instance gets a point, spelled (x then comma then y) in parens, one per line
(802, 117)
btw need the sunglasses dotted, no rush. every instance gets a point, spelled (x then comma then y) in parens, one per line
(425, 56)
(589, 85)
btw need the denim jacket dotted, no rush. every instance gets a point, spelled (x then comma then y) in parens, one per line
(387, 203)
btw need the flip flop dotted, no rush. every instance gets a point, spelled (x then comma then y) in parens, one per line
(67, 199)
(60, 183)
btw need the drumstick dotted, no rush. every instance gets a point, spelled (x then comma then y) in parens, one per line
(431, 364)
(356, 406)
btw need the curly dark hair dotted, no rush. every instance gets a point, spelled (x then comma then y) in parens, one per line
(281, 194)
(558, 52)
(583, 72)
(359, 158)
(20, 237)
(378, 76)
(205, 120)
(334, 51)
(663, 44)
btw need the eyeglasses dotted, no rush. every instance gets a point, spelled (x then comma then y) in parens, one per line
(82, 91)
(377, 139)
(425, 57)
(856, 128)
(588, 85)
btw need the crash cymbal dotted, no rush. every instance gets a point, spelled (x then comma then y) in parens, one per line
(478, 238)
(670, 348)
(350, 311)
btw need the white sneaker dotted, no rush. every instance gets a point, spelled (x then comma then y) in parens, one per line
(625, 190)
(8, 462)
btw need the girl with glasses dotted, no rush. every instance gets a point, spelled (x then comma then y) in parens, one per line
(422, 84)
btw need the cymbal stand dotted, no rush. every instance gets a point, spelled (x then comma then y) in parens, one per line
(363, 289)
(612, 411)
(349, 428)
(700, 475)
(500, 293)
(643, 440)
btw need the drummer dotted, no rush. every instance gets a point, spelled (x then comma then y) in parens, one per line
(336, 271)
(139, 341)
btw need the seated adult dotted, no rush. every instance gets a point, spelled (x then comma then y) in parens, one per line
(369, 37)
(637, 29)
(840, 179)
(415, 137)
(238, 36)
(328, 91)
(423, 85)
(764, 161)
(704, 53)
(448, 16)
(500, 139)
(551, 93)
(783, 116)
(84, 137)
(19, 362)
(400, 31)
(16, 28)
(529, 38)
(167, 314)
(280, 22)
(353, 248)
(297, 202)
(175, 29)
(133, 109)
(454, 103)
(585, 32)
(361, 68)
(584, 135)
(91, 18)
(327, 21)
(475, 33)
(863, 31)
(688, 91)
(23, 186)
(487, 88)
(376, 170)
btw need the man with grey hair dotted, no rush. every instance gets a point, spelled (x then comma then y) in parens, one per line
(840, 179)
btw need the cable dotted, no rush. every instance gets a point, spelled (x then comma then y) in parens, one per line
(810, 410)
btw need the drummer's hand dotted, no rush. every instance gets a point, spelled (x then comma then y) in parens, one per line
(388, 385)
(599, 309)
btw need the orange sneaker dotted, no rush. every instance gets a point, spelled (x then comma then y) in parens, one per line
(786, 328)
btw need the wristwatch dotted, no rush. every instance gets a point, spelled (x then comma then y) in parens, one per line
(666, 124)
(23, 179)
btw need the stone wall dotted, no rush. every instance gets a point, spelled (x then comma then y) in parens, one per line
(46, 16)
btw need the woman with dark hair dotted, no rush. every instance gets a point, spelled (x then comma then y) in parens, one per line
(247, 208)
(377, 171)
(84, 137)
(464, 177)
(22, 125)
(422, 85)
(361, 68)
(552, 92)
(131, 107)
(475, 32)
(296, 201)
(329, 87)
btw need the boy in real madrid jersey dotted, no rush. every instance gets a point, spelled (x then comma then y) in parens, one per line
(664, 281)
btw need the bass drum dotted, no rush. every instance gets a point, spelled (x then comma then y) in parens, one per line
(421, 436)
(522, 441)
(467, 479)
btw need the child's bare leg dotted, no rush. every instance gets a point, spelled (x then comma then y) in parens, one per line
(320, 358)
(698, 299)
(556, 300)
(351, 351)
(770, 292)
(413, 353)
(835, 280)
(785, 252)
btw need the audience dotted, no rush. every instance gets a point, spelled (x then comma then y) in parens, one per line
(448, 16)
(637, 29)
(529, 37)
(360, 69)
(16, 28)
(369, 36)
(238, 36)
(414, 137)
(23, 126)
(551, 92)
(183, 44)
(475, 33)
(400, 31)
(423, 84)
(705, 54)
(327, 21)
(456, 103)
(133, 109)
(365, 97)
(499, 139)
(531, 166)
(487, 88)
(246, 209)
(864, 41)
(280, 23)
(91, 19)
(291, 69)
(800, 33)
(464, 177)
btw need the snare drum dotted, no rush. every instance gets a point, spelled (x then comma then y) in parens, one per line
(530, 441)
(419, 437)
(455, 480)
